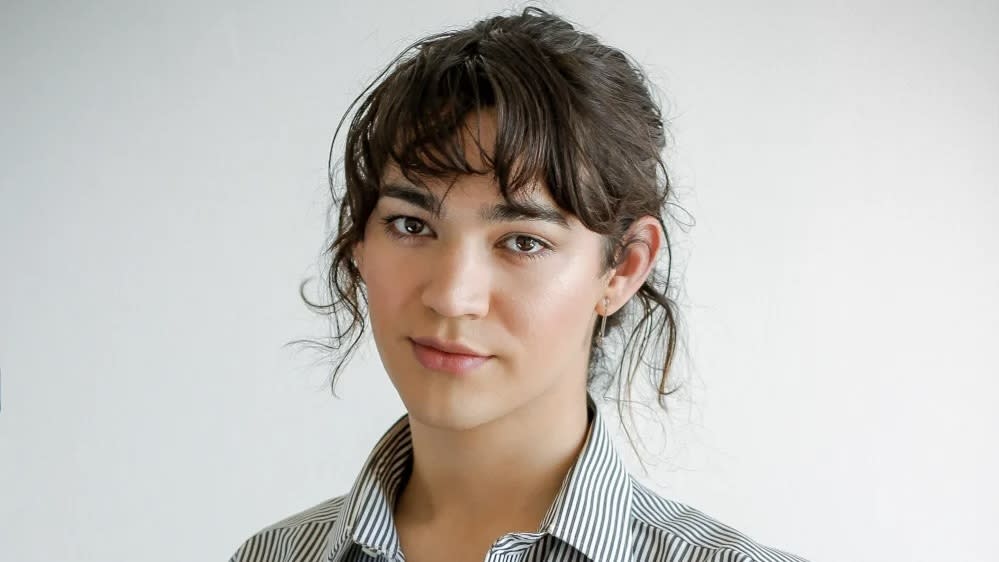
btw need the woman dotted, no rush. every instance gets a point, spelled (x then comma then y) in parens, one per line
(503, 213)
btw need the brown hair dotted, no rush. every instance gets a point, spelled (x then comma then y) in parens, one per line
(569, 109)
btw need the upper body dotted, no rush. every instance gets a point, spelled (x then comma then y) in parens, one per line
(601, 513)
(500, 228)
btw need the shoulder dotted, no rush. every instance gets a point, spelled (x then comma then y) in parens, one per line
(296, 538)
(664, 528)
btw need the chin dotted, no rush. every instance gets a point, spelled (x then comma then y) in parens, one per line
(449, 411)
(446, 420)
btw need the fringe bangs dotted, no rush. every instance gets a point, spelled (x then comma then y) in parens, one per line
(415, 118)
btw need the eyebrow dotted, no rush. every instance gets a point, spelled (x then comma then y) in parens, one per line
(506, 211)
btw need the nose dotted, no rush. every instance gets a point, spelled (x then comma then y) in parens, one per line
(458, 282)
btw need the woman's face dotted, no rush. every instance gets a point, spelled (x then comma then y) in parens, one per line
(517, 285)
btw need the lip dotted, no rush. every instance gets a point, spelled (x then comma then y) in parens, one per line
(449, 347)
(428, 353)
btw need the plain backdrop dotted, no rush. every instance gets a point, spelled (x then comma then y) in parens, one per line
(163, 193)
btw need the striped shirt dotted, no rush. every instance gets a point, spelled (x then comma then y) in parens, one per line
(600, 514)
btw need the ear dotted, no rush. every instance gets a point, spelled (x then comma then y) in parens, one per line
(644, 239)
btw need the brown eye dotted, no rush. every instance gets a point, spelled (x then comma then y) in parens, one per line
(401, 225)
(411, 225)
(525, 245)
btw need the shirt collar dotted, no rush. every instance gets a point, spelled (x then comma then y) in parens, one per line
(591, 512)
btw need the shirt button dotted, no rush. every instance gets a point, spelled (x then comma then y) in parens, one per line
(370, 551)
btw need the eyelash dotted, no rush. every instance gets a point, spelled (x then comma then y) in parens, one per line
(389, 221)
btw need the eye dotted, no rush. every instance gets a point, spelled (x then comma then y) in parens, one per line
(405, 226)
(526, 245)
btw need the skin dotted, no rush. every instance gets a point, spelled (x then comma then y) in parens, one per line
(490, 447)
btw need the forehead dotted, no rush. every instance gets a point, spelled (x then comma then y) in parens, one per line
(477, 137)
(477, 187)
(478, 191)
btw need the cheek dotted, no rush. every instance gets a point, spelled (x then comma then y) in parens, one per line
(387, 288)
(555, 310)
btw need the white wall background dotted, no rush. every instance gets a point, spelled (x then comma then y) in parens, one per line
(163, 193)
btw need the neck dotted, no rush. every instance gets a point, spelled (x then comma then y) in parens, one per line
(499, 477)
